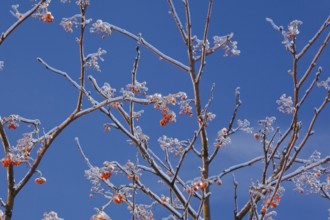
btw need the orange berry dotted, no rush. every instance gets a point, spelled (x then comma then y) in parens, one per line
(118, 199)
(273, 204)
(40, 180)
(12, 126)
(263, 211)
(277, 198)
(17, 162)
(105, 175)
(202, 185)
(256, 136)
(48, 17)
(6, 161)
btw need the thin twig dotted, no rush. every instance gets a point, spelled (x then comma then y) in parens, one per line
(134, 72)
(177, 21)
(90, 166)
(313, 63)
(206, 28)
(316, 36)
(149, 47)
(81, 56)
(19, 21)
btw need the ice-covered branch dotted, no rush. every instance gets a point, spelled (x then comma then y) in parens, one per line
(205, 41)
(313, 63)
(239, 166)
(316, 36)
(21, 19)
(177, 20)
(101, 26)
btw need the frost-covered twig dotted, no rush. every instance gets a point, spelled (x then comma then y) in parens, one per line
(235, 184)
(316, 36)
(206, 28)
(134, 72)
(310, 129)
(90, 166)
(313, 63)
(238, 166)
(81, 57)
(186, 150)
(177, 20)
(301, 170)
(143, 42)
(309, 89)
(62, 73)
(238, 104)
(22, 18)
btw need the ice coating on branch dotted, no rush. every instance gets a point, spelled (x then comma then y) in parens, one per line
(138, 87)
(2, 64)
(172, 145)
(107, 91)
(74, 21)
(139, 135)
(224, 42)
(222, 138)
(288, 35)
(101, 27)
(313, 181)
(91, 60)
(324, 84)
(197, 46)
(15, 11)
(227, 44)
(244, 125)
(51, 216)
(142, 211)
(293, 27)
(267, 124)
(93, 175)
(285, 104)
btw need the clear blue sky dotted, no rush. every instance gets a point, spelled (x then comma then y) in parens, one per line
(31, 91)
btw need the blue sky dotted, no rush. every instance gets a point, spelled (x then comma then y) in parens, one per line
(260, 71)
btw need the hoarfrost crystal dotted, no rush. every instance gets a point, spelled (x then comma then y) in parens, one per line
(285, 104)
(2, 64)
